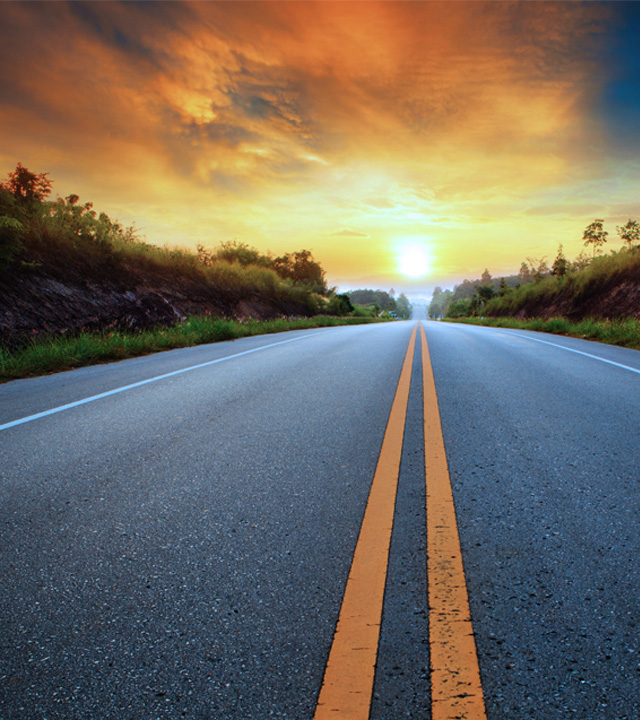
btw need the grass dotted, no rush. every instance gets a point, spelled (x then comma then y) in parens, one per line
(55, 354)
(625, 333)
(119, 257)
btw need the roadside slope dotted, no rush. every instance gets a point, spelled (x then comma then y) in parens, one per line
(58, 298)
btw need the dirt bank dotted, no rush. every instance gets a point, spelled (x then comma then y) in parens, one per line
(54, 298)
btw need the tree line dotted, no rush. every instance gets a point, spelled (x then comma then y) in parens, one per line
(380, 301)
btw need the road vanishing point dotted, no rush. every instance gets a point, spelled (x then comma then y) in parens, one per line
(399, 520)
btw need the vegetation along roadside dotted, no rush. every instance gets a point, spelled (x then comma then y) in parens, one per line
(613, 332)
(59, 353)
(76, 287)
(596, 296)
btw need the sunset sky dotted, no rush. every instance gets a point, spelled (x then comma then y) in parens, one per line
(390, 138)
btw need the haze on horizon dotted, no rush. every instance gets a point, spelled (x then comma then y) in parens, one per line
(407, 144)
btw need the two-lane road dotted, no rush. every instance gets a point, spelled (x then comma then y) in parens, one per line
(178, 541)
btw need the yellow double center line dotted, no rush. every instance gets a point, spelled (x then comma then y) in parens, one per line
(456, 691)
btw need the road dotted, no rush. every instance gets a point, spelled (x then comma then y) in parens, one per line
(178, 543)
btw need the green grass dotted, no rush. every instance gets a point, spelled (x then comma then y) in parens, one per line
(55, 354)
(624, 332)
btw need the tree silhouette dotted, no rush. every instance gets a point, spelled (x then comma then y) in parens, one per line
(595, 235)
(630, 232)
(27, 187)
(560, 264)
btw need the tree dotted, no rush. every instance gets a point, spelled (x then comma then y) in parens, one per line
(439, 302)
(560, 264)
(466, 289)
(78, 221)
(486, 277)
(459, 308)
(233, 251)
(595, 235)
(27, 187)
(373, 297)
(302, 269)
(485, 293)
(10, 239)
(581, 262)
(525, 273)
(204, 256)
(629, 233)
(538, 268)
(340, 305)
(403, 307)
(504, 288)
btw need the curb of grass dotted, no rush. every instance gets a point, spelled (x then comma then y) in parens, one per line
(55, 354)
(624, 332)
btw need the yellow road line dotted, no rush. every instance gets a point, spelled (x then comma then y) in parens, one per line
(456, 690)
(348, 679)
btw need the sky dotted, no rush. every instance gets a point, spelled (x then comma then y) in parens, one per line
(406, 144)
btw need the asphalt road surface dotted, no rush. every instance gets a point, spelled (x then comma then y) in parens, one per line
(180, 546)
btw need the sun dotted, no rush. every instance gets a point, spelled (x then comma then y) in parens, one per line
(413, 260)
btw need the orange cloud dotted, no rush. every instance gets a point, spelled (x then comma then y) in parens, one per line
(278, 122)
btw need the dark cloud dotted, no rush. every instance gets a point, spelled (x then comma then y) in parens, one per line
(220, 133)
(255, 106)
(127, 27)
(620, 99)
(260, 92)
(86, 13)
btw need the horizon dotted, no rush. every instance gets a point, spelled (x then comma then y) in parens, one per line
(407, 145)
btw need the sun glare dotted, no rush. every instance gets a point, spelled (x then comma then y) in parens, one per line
(413, 261)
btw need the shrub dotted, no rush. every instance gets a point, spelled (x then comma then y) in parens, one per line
(66, 233)
(10, 239)
(459, 308)
(340, 305)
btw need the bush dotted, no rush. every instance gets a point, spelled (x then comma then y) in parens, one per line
(366, 311)
(459, 308)
(340, 305)
(10, 239)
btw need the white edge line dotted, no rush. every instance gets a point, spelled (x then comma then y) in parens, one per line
(577, 352)
(84, 401)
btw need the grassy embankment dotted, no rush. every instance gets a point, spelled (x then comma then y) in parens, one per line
(65, 237)
(68, 241)
(64, 353)
(581, 290)
(598, 302)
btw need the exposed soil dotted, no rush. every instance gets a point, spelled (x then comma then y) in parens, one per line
(613, 297)
(65, 296)
(611, 302)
